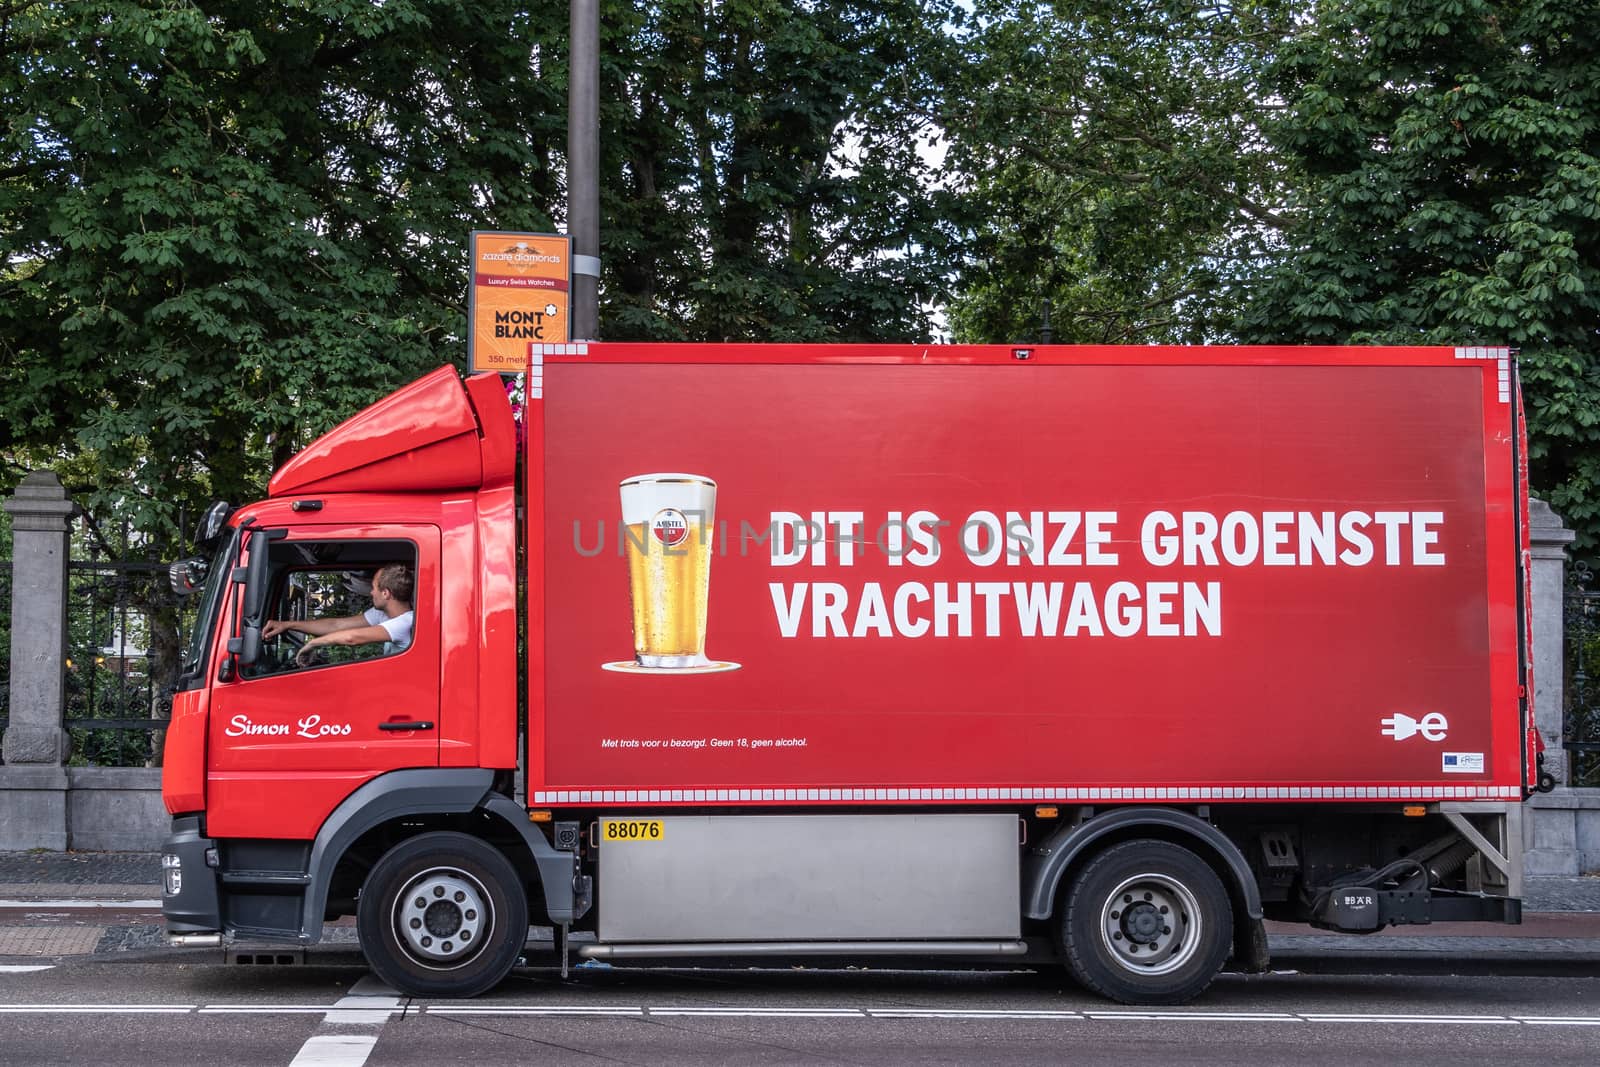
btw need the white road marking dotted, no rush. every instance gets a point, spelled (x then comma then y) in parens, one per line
(96, 1009)
(981, 1013)
(766, 1013)
(933, 1013)
(1445, 1020)
(266, 1009)
(1194, 1016)
(517, 1009)
(81, 905)
(978, 1015)
(335, 1050)
(13, 968)
(370, 1003)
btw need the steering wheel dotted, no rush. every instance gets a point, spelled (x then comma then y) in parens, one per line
(315, 657)
(286, 645)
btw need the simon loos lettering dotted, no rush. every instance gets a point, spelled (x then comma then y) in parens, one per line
(311, 727)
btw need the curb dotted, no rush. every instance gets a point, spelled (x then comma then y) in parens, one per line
(79, 891)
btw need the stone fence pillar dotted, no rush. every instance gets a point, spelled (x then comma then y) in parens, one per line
(1563, 834)
(1549, 538)
(33, 781)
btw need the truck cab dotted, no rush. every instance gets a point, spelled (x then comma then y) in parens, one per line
(289, 780)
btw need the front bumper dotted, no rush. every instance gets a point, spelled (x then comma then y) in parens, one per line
(189, 899)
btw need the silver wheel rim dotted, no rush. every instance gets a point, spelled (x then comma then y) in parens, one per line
(441, 916)
(1151, 924)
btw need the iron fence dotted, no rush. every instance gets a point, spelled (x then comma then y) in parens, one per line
(123, 626)
(1581, 725)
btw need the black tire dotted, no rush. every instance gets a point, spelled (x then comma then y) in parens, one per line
(444, 915)
(1116, 931)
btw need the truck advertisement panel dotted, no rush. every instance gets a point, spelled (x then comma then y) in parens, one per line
(908, 581)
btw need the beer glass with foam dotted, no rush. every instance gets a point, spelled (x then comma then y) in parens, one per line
(668, 521)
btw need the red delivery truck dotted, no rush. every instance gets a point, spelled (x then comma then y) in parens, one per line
(1096, 655)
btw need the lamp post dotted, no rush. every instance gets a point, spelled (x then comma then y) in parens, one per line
(583, 167)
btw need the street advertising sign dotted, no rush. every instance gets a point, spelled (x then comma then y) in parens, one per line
(521, 294)
(1280, 575)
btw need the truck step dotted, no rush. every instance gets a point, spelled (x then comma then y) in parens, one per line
(657, 950)
(272, 878)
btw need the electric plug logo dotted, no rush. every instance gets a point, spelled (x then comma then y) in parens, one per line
(1400, 726)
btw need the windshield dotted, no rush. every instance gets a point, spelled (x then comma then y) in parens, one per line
(206, 617)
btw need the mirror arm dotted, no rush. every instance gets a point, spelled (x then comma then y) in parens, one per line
(246, 648)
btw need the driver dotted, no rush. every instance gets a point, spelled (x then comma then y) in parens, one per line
(388, 620)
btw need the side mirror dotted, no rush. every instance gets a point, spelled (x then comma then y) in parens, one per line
(187, 575)
(212, 525)
(254, 576)
(255, 582)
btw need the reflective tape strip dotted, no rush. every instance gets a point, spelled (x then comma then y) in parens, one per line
(1034, 793)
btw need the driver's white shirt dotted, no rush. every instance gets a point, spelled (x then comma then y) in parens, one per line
(398, 628)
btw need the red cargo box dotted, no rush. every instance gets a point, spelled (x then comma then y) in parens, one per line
(959, 575)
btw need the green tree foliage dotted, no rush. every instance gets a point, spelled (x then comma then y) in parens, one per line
(1116, 156)
(768, 171)
(1450, 152)
(227, 225)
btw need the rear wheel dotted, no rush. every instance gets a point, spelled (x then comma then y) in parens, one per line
(442, 914)
(1145, 922)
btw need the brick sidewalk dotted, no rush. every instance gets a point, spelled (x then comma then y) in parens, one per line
(49, 940)
(81, 873)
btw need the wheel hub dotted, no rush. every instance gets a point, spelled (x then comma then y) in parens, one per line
(442, 918)
(1141, 922)
(441, 915)
(1150, 924)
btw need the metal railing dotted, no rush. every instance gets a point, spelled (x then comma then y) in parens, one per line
(123, 652)
(1581, 721)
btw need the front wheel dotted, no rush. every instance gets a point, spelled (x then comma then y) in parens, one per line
(1145, 922)
(442, 914)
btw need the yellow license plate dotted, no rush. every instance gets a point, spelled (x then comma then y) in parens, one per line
(621, 830)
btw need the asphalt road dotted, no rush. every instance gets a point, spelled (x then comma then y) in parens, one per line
(187, 1008)
(91, 981)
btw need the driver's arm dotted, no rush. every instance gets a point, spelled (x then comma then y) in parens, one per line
(359, 635)
(314, 627)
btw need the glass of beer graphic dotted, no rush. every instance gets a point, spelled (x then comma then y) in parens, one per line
(668, 522)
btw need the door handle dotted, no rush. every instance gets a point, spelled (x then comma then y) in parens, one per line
(405, 726)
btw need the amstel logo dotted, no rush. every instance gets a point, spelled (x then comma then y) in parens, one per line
(670, 527)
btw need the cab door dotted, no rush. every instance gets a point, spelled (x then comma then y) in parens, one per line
(288, 742)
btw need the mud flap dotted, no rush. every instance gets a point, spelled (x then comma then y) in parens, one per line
(1250, 947)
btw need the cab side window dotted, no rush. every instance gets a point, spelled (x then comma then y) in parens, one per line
(323, 594)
